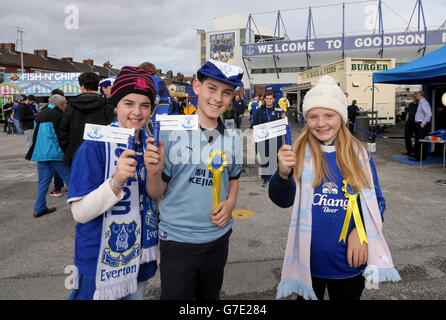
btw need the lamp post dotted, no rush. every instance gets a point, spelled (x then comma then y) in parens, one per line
(19, 30)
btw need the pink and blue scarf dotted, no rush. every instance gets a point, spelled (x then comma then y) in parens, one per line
(296, 273)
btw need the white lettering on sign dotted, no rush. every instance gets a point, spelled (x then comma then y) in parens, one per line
(286, 47)
(400, 40)
(51, 76)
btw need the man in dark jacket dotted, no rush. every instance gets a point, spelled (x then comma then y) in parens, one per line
(7, 109)
(27, 112)
(409, 126)
(88, 107)
(352, 111)
(239, 106)
(268, 154)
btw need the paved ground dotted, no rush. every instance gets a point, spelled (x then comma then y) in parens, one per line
(36, 252)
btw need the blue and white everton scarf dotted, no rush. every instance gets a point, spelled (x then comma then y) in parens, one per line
(129, 231)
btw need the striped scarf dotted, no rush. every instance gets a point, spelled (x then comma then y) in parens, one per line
(129, 232)
(296, 273)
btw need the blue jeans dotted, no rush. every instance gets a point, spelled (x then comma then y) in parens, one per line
(18, 126)
(46, 170)
(11, 128)
(58, 182)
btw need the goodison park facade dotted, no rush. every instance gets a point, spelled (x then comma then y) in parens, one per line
(269, 58)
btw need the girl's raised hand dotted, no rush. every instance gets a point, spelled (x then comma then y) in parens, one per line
(287, 160)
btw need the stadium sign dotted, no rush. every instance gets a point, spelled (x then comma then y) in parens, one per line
(374, 41)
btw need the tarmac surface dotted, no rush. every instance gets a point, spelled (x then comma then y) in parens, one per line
(37, 254)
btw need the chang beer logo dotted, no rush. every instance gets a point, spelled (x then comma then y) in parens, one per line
(326, 200)
(122, 245)
(330, 188)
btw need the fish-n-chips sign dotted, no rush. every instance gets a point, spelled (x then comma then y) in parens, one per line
(41, 84)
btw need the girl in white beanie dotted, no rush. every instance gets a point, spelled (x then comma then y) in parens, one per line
(335, 238)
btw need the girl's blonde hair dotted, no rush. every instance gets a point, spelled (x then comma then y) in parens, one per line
(347, 148)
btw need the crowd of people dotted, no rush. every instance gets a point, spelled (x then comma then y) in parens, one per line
(134, 205)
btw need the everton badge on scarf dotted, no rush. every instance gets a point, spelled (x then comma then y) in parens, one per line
(122, 244)
(216, 164)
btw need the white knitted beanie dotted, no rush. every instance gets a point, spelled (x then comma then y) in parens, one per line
(326, 94)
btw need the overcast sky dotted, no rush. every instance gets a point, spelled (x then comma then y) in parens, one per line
(164, 32)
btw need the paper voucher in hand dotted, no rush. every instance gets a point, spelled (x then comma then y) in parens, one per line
(97, 132)
(177, 122)
(271, 130)
(173, 122)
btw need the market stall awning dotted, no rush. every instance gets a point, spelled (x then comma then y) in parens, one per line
(428, 69)
(7, 89)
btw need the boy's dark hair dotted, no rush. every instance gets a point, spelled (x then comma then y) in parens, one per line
(58, 91)
(31, 98)
(270, 93)
(201, 77)
(89, 80)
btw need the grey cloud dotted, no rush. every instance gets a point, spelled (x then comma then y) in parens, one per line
(129, 32)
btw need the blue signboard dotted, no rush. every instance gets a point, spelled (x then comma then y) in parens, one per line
(41, 84)
(374, 41)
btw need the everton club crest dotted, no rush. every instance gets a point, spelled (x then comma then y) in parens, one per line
(122, 246)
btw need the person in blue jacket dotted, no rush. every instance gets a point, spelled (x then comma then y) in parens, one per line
(326, 140)
(45, 149)
(116, 243)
